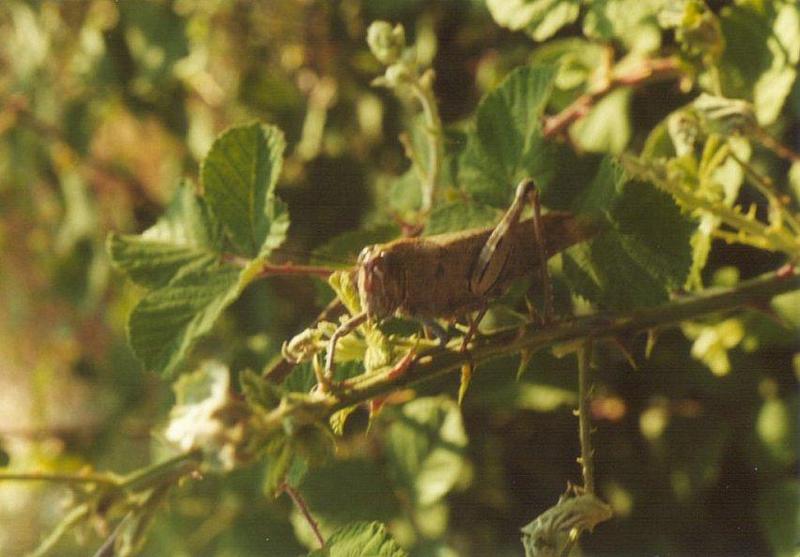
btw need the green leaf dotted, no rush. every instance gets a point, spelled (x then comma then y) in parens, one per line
(644, 254)
(239, 176)
(453, 217)
(361, 539)
(761, 55)
(166, 323)
(607, 127)
(425, 445)
(506, 145)
(186, 237)
(541, 19)
(631, 22)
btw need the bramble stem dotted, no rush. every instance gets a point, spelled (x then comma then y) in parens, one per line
(584, 419)
(438, 361)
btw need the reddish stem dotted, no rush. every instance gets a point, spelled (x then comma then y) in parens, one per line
(651, 70)
(270, 269)
(301, 505)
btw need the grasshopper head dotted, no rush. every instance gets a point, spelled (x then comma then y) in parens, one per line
(379, 286)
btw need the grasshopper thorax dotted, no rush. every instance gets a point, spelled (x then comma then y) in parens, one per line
(379, 286)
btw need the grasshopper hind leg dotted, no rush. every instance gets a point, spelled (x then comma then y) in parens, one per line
(495, 252)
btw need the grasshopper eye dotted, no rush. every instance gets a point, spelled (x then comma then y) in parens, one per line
(378, 265)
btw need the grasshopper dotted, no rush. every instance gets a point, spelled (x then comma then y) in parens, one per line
(450, 275)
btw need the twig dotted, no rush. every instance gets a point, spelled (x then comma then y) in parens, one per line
(423, 90)
(270, 269)
(776, 146)
(301, 505)
(584, 419)
(438, 361)
(273, 269)
(60, 478)
(656, 69)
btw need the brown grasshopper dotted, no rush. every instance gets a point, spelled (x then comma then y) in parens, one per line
(450, 275)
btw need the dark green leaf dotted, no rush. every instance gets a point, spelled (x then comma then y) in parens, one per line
(348, 490)
(507, 144)
(637, 261)
(166, 322)
(239, 177)
(453, 217)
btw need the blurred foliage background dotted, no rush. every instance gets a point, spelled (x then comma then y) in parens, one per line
(105, 105)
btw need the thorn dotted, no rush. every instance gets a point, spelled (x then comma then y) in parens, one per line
(466, 377)
(525, 359)
(626, 351)
(652, 338)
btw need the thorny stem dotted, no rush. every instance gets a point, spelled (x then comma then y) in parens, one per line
(438, 361)
(301, 505)
(584, 419)
(656, 69)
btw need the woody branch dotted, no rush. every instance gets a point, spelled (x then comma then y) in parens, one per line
(532, 337)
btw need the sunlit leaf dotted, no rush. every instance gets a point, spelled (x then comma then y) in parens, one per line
(632, 22)
(541, 19)
(761, 54)
(239, 177)
(607, 127)
(185, 238)
(361, 539)
(426, 441)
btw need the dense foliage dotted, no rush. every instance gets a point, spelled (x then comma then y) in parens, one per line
(185, 185)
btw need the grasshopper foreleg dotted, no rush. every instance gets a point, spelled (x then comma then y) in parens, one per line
(437, 330)
(343, 329)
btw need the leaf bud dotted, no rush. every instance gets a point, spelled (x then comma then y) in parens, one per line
(385, 42)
